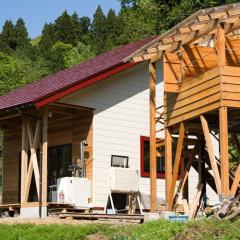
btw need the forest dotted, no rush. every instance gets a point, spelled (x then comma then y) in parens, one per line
(72, 39)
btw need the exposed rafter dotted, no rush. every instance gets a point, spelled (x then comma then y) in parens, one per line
(192, 30)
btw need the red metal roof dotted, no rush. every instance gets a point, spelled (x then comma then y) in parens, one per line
(70, 77)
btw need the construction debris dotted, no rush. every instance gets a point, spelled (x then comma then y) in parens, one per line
(230, 209)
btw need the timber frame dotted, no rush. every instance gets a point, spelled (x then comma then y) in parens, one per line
(27, 144)
(201, 73)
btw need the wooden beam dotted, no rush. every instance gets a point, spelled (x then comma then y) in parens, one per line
(153, 152)
(221, 43)
(44, 169)
(168, 166)
(236, 181)
(187, 169)
(195, 203)
(223, 130)
(177, 162)
(24, 158)
(33, 164)
(211, 153)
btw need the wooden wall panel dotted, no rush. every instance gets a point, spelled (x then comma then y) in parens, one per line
(11, 158)
(82, 131)
(198, 96)
(172, 72)
(60, 132)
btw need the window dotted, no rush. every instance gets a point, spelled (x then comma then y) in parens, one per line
(119, 161)
(59, 160)
(145, 160)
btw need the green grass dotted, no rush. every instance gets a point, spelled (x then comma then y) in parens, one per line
(163, 230)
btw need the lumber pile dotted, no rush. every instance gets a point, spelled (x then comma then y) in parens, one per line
(230, 209)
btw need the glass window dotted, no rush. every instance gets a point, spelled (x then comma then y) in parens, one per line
(59, 160)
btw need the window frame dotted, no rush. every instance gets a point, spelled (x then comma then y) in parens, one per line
(114, 155)
(146, 174)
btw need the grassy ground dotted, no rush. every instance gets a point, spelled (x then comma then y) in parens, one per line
(207, 229)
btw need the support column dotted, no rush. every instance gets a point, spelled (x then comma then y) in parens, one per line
(177, 163)
(24, 158)
(153, 151)
(223, 129)
(44, 189)
(221, 41)
(168, 166)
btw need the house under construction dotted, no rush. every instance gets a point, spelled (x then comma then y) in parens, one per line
(131, 121)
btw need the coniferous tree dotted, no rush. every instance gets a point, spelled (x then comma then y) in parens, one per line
(21, 34)
(8, 35)
(65, 29)
(113, 29)
(98, 31)
(47, 39)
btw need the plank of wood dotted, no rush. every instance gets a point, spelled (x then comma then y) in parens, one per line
(33, 164)
(221, 42)
(185, 206)
(44, 170)
(177, 162)
(192, 114)
(231, 71)
(236, 181)
(199, 88)
(196, 105)
(195, 203)
(24, 158)
(101, 216)
(194, 98)
(211, 153)
(223, 131)
(153, 152)
(168, 166)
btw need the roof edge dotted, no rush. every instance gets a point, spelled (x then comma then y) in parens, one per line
(83, 84)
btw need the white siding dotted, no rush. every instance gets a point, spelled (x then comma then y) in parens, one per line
(121, 116)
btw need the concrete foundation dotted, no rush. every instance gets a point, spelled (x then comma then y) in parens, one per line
(33, 212)
(151, 217)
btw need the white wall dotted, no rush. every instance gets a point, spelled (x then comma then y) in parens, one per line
(120, 118)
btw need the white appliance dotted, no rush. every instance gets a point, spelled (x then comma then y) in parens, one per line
(74, 190)
(124, 180)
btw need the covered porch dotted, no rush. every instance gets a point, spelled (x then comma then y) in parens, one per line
(41, 146)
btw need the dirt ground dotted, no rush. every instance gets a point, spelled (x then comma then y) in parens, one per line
(56, 220)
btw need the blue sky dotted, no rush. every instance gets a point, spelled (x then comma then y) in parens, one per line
(37, 12)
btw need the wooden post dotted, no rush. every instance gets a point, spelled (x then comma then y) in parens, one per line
(176, 163)
(235, 183)
(24, 158)
(223, 129)
(44, 155)
(153, 152)
(168, 166)
(221, 41)
(211, 153)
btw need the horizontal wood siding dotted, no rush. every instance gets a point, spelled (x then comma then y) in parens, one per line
(11, 158)
(196, 96)
(231, 87)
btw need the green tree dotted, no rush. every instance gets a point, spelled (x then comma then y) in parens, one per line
(66, 30)
(114, 29)
(98, 31)
(139, 21)
(78, 54)
(21, 34)
(8, 35)
(47, 39)
(59, 55)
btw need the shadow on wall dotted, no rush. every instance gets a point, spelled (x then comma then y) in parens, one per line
(127, 85)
